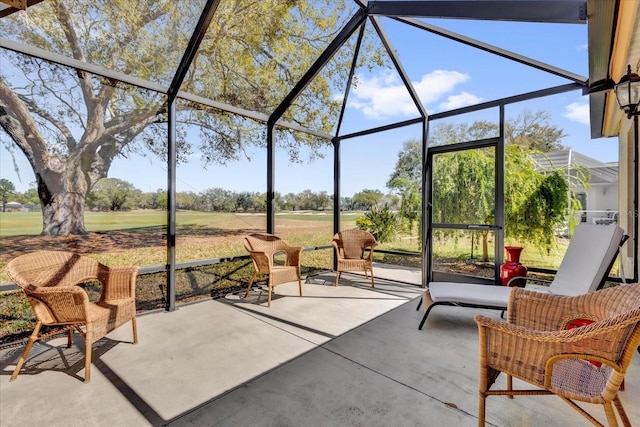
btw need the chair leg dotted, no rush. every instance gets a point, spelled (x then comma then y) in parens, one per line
(427, 310)
(590, 417)
(250, 283)
(337, 278)
(482, 403)
(271, 286)
(611, 415)
(419, 304)
(23, 357)
(87, 360)
(424, 319)
(372, 284)
(621, 412)
(300, 285)
(69, 336)
(135, 330)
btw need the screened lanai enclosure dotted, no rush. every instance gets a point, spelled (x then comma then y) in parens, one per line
(159, 133)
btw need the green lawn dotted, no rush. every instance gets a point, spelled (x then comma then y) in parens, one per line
(20, 223)
(30, 223)
(302, 228)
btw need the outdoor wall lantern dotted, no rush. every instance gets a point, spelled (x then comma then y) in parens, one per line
(628, 93)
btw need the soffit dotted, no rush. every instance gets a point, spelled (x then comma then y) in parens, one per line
(624, 34)
(7, 7)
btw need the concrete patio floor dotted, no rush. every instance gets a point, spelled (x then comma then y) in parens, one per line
(339, 356)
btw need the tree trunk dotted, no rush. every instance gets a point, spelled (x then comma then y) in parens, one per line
(62, 195)
(63, 215)
(485, 247)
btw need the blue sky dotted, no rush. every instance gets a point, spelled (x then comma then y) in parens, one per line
(445, 74)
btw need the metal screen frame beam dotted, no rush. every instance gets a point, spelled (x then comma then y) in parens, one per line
(97, 70)
(356, 21)
(552, 11)
(398, 65)
(172, 157)
(486, 47)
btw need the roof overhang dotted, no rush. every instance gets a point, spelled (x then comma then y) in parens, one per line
(7, 7)
(558, 11)
(614, 42)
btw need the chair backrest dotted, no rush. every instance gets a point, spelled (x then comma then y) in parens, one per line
(261, 242)
(264, 242)
(48, 278)
(353, 242)
(588, 259)
(52, 268)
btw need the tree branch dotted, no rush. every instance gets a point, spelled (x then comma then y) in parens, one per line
(16, 120)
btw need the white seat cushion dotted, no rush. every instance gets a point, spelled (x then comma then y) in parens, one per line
(587, 259)
(469, 293)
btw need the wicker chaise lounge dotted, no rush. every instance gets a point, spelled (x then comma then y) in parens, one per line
(584, 364)
(50, 280)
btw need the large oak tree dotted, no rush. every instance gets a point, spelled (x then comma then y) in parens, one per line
(71, 125)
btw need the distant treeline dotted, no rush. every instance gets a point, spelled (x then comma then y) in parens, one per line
(113, 194)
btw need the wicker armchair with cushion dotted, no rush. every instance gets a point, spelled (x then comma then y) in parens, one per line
(584, 364)
(50, 280)
(350, 246)
(264, 249)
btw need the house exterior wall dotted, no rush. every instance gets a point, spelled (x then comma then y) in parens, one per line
(626, 194)
(602, 201)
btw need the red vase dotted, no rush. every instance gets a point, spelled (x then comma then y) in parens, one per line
(513, 268)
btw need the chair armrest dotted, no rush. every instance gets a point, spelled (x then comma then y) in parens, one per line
(262, 261)
(118, 282)
(337, 248)
(371, 248)
(59, 304)
(515, 349)
(293, 254)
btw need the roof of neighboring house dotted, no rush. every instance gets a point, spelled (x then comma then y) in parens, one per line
(601, 173)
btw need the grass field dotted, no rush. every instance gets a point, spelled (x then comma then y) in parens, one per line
(139, 238)
(30, 223)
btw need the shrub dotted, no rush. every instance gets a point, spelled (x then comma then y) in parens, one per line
(380, 221)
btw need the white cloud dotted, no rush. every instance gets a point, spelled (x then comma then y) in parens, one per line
(578, 112)
(460, 100)
(385, 96)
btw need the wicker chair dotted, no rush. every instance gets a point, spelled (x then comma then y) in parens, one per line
(50, 279)
(535, 346)
(350, 248)
(264, 248)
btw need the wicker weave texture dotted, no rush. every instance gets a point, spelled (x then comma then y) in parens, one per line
(351, 247)
(535, 345)
(264, 248)
(50, 281)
